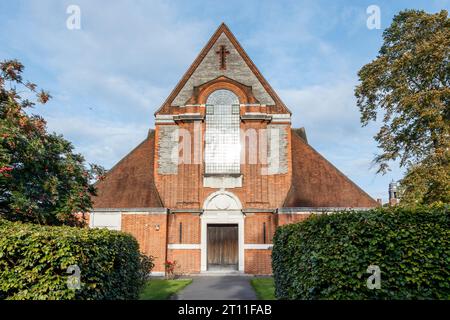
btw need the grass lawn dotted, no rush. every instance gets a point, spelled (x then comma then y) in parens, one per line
(264, 288)
(162, 289)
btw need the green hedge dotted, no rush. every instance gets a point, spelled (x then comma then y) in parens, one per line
(327, 256)
(34, 261)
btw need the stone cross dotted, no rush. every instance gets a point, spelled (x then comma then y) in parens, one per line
(222, 52)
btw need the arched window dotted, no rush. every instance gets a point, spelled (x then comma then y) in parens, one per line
(222, 144)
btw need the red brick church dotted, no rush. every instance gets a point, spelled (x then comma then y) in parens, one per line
(222, 169)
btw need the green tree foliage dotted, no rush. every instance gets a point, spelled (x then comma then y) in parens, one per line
(327, 256)
(41, 179)
(407, 86)
(35, 261)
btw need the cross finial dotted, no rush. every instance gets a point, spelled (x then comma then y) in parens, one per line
(222, 52)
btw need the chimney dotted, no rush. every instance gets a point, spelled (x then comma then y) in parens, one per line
(393, 193)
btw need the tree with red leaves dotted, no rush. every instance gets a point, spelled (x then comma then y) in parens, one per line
(41, 179)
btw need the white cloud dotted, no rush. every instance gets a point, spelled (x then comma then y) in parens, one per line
(100, 141)
(108, 78)
(330, 105)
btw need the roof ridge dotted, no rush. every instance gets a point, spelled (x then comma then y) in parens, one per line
(150, 139)
(332, 166)
(223, 28)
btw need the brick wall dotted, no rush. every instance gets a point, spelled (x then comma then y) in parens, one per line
(151, 241)
(292, 218)
(190, 228)
(188, 261)
(261, 186)
(258, 261)
(254, 228)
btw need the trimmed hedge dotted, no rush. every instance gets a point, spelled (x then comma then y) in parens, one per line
(34, 261)
(327, 256)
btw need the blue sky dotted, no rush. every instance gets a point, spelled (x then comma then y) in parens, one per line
(109, 77)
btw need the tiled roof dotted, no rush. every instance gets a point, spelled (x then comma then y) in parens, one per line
(317, 183)
(129, 184)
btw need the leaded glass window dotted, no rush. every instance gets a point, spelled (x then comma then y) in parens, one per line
(222, 143)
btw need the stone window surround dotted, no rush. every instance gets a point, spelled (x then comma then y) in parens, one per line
(270, 117)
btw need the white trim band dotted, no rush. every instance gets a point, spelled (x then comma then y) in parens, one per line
(251, 105)
(158, 121)
(184, 246)
(319, 210)
(157, 274)
(152, 210)
(281, 117)
(257, 246)
(164, 118)
(142, 212)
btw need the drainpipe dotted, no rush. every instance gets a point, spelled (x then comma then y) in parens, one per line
(167, 239)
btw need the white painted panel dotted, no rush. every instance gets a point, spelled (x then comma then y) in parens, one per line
(109, 220)
(184, 246)
(257, 246)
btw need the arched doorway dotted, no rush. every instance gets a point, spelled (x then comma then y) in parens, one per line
(222, 233)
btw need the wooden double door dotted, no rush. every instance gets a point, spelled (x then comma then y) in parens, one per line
(223, 246)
